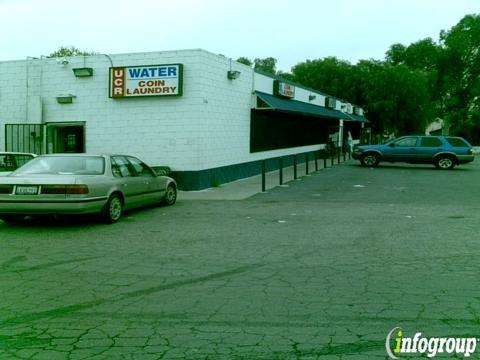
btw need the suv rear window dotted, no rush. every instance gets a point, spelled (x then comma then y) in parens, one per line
(430, 142)
(456, 142)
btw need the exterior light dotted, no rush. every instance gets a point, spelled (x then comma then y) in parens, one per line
(65, 99)
(233, 74)
(83, 72)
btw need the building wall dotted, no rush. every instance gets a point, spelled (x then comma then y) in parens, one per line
(206, 128)
(173, 131)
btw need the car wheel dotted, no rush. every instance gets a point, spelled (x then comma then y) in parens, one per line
(12, 219)
(113, 209)
(370, 160)
(170, 195)
(444, 162)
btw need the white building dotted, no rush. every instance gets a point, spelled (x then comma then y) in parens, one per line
(208, 118)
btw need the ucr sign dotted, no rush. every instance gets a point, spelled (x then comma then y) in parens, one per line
(151, 80)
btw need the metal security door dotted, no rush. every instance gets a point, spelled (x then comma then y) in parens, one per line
(24, 138)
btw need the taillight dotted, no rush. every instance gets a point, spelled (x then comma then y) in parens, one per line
(65, 189)
(76, 189)
(6, 189)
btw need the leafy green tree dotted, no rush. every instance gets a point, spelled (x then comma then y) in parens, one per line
(396, 54)
(397, 98)
(286, 76)
(267, 65)
(68, 51)
(329, 75)
(421, 55)
(460, 70)
(244, 60)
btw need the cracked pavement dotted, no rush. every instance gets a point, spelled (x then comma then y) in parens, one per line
(322, 269)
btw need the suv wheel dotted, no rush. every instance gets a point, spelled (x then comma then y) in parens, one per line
(444, 162)
(370, 160)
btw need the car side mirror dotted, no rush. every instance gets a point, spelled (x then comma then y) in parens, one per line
(391, 144)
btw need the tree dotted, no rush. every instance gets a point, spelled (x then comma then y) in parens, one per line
(421, 55)
(396, 54)
(68, 51)
(267, 65)
(329, 75)
(244, 60)
(397, 98)
(460, 70)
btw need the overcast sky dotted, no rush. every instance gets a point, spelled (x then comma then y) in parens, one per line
(289, 30)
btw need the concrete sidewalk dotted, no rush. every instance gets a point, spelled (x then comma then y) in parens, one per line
(244, 188)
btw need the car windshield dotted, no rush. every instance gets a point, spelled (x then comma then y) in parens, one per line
(63, 165)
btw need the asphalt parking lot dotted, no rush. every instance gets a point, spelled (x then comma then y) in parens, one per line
(324, 268)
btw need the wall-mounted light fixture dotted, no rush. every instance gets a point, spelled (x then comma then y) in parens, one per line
(233, 74)
(65, 98)
(83, 72)
(312, 97)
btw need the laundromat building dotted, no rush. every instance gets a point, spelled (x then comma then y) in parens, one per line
(208, 118)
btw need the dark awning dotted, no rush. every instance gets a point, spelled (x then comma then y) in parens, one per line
(354, 117)
(298, 107)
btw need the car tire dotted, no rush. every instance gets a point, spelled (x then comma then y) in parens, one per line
(370, 159)
(113, 209)
(444, 162)
(12, 219)
(170, 195)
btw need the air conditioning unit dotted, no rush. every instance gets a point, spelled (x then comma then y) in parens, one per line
(330, 102)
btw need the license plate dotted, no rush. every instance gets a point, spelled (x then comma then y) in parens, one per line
(26, 190)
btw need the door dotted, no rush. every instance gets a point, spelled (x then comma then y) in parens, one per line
(429, 146)
(403, 149)
(153, 189)
(26, 138)
(134, 187)
(65, 138)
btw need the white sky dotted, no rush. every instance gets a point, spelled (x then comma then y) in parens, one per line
(289, 30)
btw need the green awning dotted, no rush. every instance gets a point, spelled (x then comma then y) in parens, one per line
(298, 107)
(354, 117)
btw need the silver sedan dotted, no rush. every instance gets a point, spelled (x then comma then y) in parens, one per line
(82, 184)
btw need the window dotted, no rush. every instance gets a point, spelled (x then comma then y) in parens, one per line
(64, 165)
(456, 142)
(430, 141)
(7, 163)
(406, 142)
(140, 168)
(121, 167)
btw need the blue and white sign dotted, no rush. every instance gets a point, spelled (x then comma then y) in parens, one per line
(150, 80)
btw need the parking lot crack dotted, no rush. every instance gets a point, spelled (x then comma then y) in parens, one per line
(66, 310)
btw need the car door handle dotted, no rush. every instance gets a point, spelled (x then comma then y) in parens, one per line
(124, 184)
